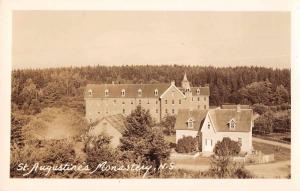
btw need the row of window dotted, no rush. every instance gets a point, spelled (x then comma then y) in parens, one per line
(123, 92)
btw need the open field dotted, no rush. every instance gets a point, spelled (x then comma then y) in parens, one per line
(280, 153)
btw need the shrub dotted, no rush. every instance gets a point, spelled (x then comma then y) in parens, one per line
(186, 145)
(227, 147)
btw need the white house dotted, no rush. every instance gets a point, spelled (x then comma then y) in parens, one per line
(211, 126)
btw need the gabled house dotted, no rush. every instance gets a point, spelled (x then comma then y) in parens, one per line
(189, 122)
(215, 125)
(112, 126)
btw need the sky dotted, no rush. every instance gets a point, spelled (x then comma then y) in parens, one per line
(44, 39)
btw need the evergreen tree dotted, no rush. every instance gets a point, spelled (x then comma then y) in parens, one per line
(143, 141)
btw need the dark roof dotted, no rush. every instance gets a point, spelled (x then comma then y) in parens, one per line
(131, 90)
(117, 121)
(184, 115)
(221, 117)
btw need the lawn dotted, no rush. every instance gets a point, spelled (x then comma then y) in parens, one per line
(280, 153)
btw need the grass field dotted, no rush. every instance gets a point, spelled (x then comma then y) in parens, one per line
(280, 153)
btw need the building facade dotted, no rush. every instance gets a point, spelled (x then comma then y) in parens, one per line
(211, 126)
(162, 99)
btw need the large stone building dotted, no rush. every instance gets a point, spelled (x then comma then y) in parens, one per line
(103, 100)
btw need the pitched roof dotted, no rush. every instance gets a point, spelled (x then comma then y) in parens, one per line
(184, 115)
(221, 117)
(117, 121)
(203, 90)
(131, 90)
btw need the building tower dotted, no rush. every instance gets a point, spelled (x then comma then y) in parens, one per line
(185, 84)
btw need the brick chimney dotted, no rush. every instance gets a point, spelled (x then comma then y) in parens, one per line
(173, 83)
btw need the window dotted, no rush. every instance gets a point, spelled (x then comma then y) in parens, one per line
(206, 142)
(198, 106)
(208, 125)
(173, 111)
(123, 111)
(240, 141)
(204, 98)
(123, 102)
(173, 102)
(139, 92)
(98, 112)
(166, 101)
(148, 102)
(90, 92)
(166, 110)
(198, 91)
(179, 101)
(106, 92)
(204, 106)
(232, 124)
(190, 123)
(192, 98)
(198, 98)
(156, 110)
(140, 101)
(115, 101)
(123, 92)
(131, 102)
(156, 102)
(156, 92)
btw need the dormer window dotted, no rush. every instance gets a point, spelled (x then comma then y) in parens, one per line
(156, 92)
(90, 92)
(190, 123)
(232, 124)
(139, 92)
(198, 91)
(123, 92)
(106, 92)
(208, 125)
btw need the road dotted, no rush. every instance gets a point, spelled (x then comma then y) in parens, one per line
(275, 143)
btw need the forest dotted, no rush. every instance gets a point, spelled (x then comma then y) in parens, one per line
(266, 89)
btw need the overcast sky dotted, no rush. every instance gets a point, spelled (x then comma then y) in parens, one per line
(44, 39)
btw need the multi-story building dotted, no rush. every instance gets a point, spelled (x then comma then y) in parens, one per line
(160, 99)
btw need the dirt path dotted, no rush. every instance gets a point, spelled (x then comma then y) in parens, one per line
(280, 169)
(259, 140)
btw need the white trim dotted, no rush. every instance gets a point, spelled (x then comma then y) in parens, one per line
(169, 89)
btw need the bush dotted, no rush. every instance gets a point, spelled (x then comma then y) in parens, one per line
(186, 145)
(227, 147)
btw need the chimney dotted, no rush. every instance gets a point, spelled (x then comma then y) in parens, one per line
(238, 108)
(173, 83)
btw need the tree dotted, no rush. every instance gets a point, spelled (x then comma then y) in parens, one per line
(187, 145)
(98, 150)
(222, 165)
(143, 141)
(227, 147)
(281, 95)
(168, 123)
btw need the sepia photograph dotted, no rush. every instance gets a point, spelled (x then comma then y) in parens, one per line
(150, 94)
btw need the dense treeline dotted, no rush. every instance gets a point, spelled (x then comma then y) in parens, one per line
(33, 89)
